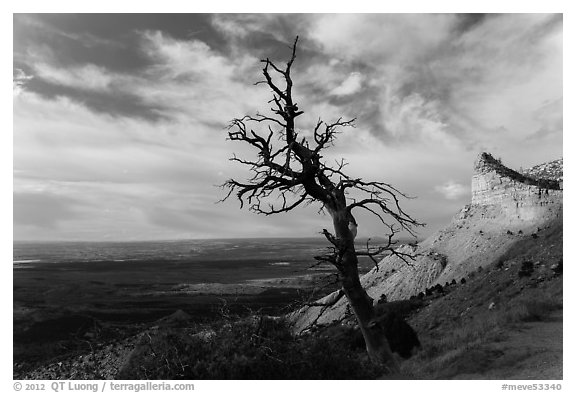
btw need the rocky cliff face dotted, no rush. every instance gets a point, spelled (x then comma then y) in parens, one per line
(506, 206)
(522, 197)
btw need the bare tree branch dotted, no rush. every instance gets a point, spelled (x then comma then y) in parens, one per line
(290, 171)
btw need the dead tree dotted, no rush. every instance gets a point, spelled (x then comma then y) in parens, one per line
(289, 171)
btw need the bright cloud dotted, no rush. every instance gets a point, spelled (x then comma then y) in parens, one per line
(351, 85)
(186, 58)
(452, 190)
(88, 76)
(19, 81)
(196, 82)
(385, 38)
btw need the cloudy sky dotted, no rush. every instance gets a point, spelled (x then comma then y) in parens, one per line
(119, 120)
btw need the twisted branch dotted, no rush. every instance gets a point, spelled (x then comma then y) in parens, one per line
(290, 171)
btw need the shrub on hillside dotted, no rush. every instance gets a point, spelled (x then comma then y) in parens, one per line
(526, 269)
(245, 349)
(532, 307)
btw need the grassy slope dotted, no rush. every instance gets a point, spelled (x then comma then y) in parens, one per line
(464, 337)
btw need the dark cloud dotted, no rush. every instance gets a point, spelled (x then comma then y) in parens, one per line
(469, 21)
(36, 33)
(269, 36)
(266, 45)
(111, 43)
(113, 102)
(107, 40)
(551, 24)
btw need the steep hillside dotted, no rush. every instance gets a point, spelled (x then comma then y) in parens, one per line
(506, 207)
(505, 322)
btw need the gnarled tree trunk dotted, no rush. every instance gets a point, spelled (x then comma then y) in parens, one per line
(361, 303)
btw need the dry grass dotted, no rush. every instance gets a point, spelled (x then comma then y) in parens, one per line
(470, 345)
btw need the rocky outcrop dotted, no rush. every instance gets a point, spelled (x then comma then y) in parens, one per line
(522, 197)
(552, 170)
(506, 206)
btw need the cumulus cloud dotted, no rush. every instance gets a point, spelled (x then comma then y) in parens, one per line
(185, 58)
(350, 85)
(452, 190)
(196, 82)
(414, 118)
(381, 38)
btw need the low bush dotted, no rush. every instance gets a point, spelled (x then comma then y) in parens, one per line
(500, 263)
(526, 269)
(253, 348)
(531, 308)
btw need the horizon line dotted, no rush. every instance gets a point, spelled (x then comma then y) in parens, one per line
(375, 238)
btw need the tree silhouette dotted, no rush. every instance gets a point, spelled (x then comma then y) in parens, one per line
(289, 171)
